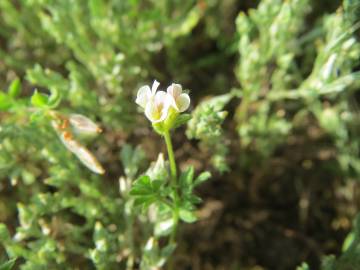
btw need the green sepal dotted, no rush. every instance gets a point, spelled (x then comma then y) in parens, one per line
(180, 120)
(171, 118)
(159, 128)
(174, 120)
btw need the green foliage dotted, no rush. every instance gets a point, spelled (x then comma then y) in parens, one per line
(8, 265)
(303, 266)
(270, 78)
(69, 70)
(132, 159)
(206, 127)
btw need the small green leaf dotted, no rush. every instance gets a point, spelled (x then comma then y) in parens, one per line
(186, 178)
(144, 200)
(141, 191)
(143, 180)
(181, 120)
(39, 100)
(168, 250)
(193, 199)
(145, 190)
(303, 266)
(132, 159)
(144, 186)
(54, 98)
(15, 88)
(4, 233)
(156, 185)
(5, 101)
(187, 216)
(37, 116)
(8, 265)
(202, 178)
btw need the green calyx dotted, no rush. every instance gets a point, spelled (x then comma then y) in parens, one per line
(168, 123)
(174, 120)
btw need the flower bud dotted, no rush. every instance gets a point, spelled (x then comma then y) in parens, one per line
(81, 152)
(83, 125)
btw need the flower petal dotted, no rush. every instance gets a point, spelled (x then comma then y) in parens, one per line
(152, 112)
(160, 98)
(154, 87)
(164, 112)
(143, 96)
(157, 109)
(174, 90)
(183, 102)
(171, 102)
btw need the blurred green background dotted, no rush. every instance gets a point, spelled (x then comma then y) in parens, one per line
(274, 87)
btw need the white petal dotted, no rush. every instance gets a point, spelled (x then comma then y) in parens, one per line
(171, 102)
(183, 102)
(143, 96)
(164, 113)
(158, 109)
(154, 87)
(151, 112)
(163, 101)
(160, 97)
(174, 90)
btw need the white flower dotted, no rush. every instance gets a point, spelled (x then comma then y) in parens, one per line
(180, 101)
(157, 109)
(145, 94)
(157, 103)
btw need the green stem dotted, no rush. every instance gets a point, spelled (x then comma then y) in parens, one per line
(171, 157)
(131, 259)
(173, 183)
(130, 233)
(242, 110)
(174, 231)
